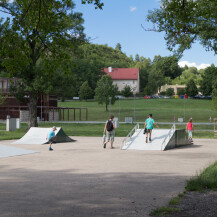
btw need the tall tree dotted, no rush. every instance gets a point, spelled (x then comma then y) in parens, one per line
(105, 89)
(118, 46)
(186, 21)
(209, 78)
(35, 41)
(191, 88)
(85, 91)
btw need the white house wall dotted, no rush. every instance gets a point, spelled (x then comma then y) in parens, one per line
(134, 84)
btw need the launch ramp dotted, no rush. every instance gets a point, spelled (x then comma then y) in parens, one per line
(38, 135)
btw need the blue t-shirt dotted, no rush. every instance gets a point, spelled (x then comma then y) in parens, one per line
(149, 123)
(51, 134)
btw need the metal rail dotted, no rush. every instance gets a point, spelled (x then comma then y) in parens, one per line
(129, 135)
(170, 134)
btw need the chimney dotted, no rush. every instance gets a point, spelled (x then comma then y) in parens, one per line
(109, 69)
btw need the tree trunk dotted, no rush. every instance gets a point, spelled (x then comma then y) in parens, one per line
(32, 112)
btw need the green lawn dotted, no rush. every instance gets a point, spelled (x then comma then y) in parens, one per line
(73, 129)
(162, 109)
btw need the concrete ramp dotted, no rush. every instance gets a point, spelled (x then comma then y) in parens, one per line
(37, 136)
(137, 141)
(162, 139)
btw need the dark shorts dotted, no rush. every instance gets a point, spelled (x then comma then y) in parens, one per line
(52, 139)
(148, 130)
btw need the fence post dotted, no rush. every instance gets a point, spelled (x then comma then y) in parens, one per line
(68, 114)
(86, 113)
(80, 114)
(53, 113)
(74, 114)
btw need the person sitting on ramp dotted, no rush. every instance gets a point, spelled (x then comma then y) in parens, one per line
(149, 126)
(51, 137)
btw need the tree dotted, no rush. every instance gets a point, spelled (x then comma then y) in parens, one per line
(127, 92)
(85, 91)
(181, 91)
(39, 37)
(191, 88)
(118, 46)
(105, 89)
(209, 78)
(170, 92)
(144, 66)
(214, 96)
(97, 3)
(185, 21)
(168, 65)
(137, 58)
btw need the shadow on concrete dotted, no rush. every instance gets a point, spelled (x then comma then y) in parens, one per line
(33, 193)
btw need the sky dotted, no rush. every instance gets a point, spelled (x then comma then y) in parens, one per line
(120, 22)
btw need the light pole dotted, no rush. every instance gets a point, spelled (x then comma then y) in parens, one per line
(184, 109)
(119, 111)
(134, 106)
(110, 106)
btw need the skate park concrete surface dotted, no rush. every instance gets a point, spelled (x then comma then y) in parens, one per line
(82, 179)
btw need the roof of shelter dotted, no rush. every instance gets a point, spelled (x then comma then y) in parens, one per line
(123, 73)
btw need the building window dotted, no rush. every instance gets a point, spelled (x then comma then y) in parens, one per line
(133, 82)
(128, 82)
(116, 81)
(123, 81)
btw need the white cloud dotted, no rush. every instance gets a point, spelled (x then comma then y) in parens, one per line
(201, 66)
(132, 9)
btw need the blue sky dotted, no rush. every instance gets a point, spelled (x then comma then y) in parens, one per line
(120, 22)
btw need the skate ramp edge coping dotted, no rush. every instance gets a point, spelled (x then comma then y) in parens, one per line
(128, 137)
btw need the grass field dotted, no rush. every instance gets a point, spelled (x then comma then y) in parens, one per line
(73, 129)
(163, 110)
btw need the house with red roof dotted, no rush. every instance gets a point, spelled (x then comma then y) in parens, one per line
(124, 76)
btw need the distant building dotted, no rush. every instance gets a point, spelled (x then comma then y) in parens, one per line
(175, 87)
(12, 107)
(124, 76)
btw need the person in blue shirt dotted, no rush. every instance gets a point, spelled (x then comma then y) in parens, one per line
(149, 126)
(51, 137)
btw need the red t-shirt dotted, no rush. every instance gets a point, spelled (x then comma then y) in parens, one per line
(190, 126)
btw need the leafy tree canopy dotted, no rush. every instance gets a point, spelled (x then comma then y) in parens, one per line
(38, 37)
(107, 56)
(97, 3)
(185, 21)
(127, 92)
(191, 88)
(209, 79)
(85, 91)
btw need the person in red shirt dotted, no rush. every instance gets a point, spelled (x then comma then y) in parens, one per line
(190, 128)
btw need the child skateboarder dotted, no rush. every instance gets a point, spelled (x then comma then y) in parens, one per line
(51, 137)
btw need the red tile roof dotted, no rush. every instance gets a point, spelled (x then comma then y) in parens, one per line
(123, 73)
